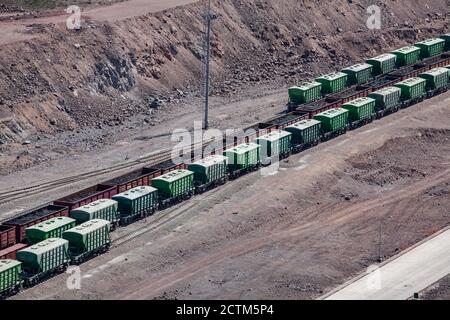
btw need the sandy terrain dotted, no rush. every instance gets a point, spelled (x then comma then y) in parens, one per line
(438, 291)
(15, 30)
(295, 234)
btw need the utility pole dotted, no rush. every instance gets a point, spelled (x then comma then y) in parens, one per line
(209, 17)
(379, 243)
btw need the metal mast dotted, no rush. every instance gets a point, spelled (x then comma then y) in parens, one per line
(209, 17)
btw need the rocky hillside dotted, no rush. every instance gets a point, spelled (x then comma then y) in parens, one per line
(65, 80)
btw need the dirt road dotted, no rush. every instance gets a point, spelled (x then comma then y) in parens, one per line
(295, 234)
(16, 30)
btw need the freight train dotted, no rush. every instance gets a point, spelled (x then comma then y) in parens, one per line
(44, 241)
(354, 78)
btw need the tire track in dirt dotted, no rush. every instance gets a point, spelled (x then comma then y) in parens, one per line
(267, 237)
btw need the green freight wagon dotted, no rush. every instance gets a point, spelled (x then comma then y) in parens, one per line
(333, 82)
(383, 64)
(88, 239)
(275, 144)
(334, 121)
(52, 228)
(446, 38)
(407, 55)
(136, 202)
(360, 109)
(10, 279)
(173, 186)
(106, 209)
(431, 47)
(412, 88)
(436, 78)
(211, 170)
(359, 73)
(304, 133)
(306, 92)
(386, 99)
(43, 259)
(243, 157)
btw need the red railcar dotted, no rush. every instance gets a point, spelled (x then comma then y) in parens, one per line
(323, 105)
(141, 177)
(7, 236)
(352, 94)
(166, 166)
(284, 120)
(33, 217)
(87, 196)
(10, 252)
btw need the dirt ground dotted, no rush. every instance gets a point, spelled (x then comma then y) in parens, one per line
(292, 235)
(437, 291)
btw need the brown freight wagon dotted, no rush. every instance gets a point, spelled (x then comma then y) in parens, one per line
(10, 252)
(323, 105)
(166, 166)
(34, 217)
(87, 196)
(353, 94)
(7, 236)
(283, 121)
(141, 177)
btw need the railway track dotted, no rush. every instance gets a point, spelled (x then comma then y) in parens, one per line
(153, 159)
(17, 194)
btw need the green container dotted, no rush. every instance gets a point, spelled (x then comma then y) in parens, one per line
(174, 184)
(448, 67)
(306, 92)
(243, 156)
(412, 88)
(359, 73)
(44, 256)
(105, 209)
(446, 38)
(304, 131)
(383, 64)
(333, 82)
(9, 274)
(136, 201)
(386, 98)
(209, 169)
(52, 228)
(431, 47)
(407, 55)
(361, 108)
(88, 237)
(436, 78)
(333, 120)
(274, 143)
